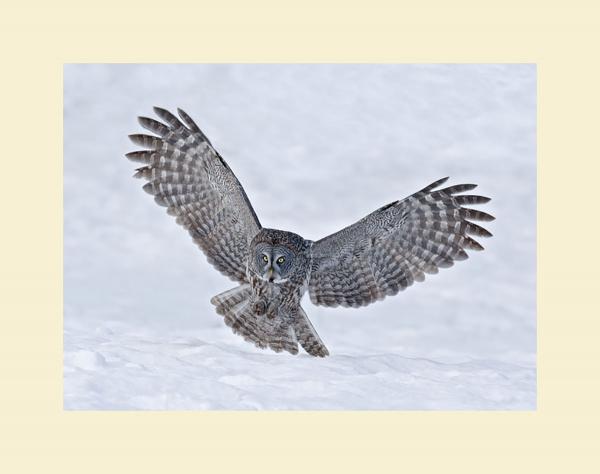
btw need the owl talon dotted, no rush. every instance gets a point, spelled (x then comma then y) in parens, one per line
(259, 308)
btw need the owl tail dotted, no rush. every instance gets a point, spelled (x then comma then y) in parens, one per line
(229, 299)
(307, 336)
(280, 333)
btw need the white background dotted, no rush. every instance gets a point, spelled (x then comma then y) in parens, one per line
(316, 147)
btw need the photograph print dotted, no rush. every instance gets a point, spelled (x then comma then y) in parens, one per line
(300, 237)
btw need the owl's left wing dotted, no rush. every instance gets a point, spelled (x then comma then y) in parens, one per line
(389, 249)
(187, 176)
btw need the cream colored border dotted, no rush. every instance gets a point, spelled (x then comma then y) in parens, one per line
(37, 436)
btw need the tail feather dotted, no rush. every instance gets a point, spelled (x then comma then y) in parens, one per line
(307, 336)
(243, 321)
(280, 333)
(234, 306)
(230, 298)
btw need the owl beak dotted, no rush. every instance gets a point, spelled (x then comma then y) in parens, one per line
(270, 274)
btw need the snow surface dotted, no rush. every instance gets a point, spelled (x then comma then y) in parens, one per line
(316, 147)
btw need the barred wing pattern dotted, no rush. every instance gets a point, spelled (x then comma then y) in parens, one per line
(396, 245)
(187, 176)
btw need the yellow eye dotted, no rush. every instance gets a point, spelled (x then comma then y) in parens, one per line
(280, 260)
(265, 258)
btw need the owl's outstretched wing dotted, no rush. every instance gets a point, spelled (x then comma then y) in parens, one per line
(187, 176)
(389, 249)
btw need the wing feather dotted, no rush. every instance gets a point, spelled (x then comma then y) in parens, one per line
(398, 244)
(187, 176)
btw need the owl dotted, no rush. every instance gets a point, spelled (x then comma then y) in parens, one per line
(378, 256)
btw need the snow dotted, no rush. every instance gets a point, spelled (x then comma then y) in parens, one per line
(316, 147)
(131, 368)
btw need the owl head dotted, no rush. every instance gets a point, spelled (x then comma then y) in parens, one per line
(276, 254)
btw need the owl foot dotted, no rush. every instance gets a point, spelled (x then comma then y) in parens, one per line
(259, 308)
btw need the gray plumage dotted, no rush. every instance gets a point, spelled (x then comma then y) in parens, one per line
(378, 256)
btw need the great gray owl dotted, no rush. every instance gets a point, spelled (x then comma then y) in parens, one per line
(378, 256)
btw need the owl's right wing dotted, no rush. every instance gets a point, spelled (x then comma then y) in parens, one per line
(389, 249)
(187, 176)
